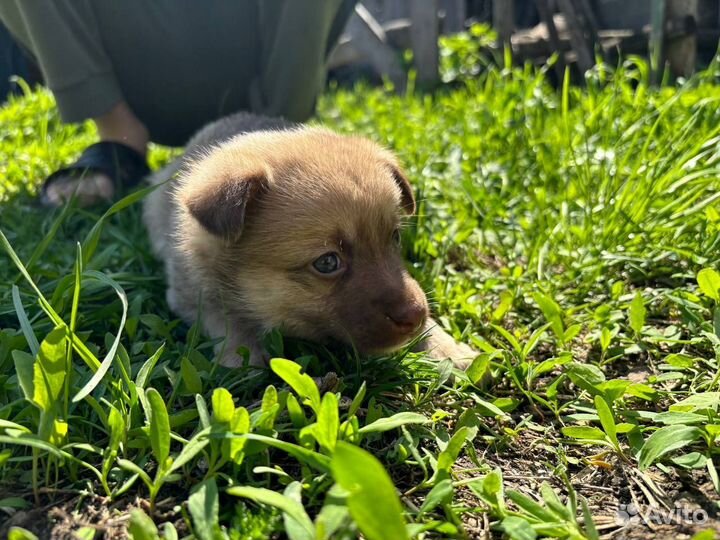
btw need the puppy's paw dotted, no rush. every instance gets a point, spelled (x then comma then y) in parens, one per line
(440, 345)
(461, 354)
(233, 357)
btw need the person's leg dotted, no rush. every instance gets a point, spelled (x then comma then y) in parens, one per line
(168, 67)
(63, 36)
(184, 64)
(296, 38)
(121, 125)
(164, 57)
(118, 125)
(138, 69)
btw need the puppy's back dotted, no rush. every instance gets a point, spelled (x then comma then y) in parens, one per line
(230, 126)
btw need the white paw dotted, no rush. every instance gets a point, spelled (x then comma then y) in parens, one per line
(460, 354)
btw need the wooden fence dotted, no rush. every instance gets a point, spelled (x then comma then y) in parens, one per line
(379, 29)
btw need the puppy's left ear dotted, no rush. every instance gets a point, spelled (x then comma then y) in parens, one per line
(221, 206)
(407, 197)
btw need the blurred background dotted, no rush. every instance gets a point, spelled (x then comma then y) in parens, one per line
(384, 38)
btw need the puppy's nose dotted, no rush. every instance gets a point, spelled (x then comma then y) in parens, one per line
(407, 318)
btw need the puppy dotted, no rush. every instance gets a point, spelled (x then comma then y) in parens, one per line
(269, 225)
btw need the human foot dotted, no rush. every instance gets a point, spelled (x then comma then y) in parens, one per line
(100, 172)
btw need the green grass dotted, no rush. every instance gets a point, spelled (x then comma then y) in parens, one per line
(560, 231)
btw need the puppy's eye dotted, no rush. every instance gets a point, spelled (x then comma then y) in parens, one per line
(396, 237)
(329, 263)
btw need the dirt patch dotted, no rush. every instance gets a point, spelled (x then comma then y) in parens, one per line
(624, 502)
(65, 517)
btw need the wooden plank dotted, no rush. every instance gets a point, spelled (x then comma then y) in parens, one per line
(455, 15)
(591, 25)
(424, 39)
(657, 38)
(398, 33)
(396, 9)
(504, 20)
(681, 51)
(375, 7)
(365, 40)
(547, 17)
(589, 15)
(577, 35)
(343, 54)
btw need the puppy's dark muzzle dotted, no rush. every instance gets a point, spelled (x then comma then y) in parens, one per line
(408, 319)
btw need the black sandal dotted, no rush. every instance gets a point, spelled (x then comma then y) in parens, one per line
(122, 164)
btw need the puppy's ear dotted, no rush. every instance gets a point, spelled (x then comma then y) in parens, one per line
(221, 206)
(407, 197)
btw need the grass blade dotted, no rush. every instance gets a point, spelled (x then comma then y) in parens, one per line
(93, 238)
(107, 361)
(78, 345)
(24, 322)
(288, 506)
(394, 421)
(159, 426)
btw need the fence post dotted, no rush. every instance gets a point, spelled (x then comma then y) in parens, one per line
(455, 14)
(424, 39)
(504, 20)
(681, 49)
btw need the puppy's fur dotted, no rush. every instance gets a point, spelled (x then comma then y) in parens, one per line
(258, 213)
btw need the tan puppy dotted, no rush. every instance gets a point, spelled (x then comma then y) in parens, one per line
(290, 227)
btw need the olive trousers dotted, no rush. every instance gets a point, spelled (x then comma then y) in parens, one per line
(180, 64)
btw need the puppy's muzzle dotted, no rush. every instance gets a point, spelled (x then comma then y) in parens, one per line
(407, 319)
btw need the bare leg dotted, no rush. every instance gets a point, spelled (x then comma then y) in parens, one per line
(121, 125)
(117, 125)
